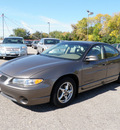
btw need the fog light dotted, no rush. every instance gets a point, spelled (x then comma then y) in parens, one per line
(23, 100)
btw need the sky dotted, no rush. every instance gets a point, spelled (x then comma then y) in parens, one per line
(34, 15)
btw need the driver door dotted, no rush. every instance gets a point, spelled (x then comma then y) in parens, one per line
(94, 72)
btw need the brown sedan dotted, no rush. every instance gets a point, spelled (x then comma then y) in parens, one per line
(59, 73)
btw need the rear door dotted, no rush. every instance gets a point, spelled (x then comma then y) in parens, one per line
(113, 63)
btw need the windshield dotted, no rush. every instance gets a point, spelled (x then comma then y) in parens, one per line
(13, 41)
(115, 45)
(67, 50)
(35, 42)
(51, 41)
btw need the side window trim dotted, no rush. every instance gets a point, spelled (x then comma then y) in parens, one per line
(101, 51)
(112, 48)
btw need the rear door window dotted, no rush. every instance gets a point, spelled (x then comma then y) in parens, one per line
(110, 51)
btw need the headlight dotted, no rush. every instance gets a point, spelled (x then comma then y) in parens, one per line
(26, 82)
(2, 48)
(23, 47)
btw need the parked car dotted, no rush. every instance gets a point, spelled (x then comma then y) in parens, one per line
(45, 43)
(59, 73)
(117, 46)
(28, 42)
(13, 47)
(34, 44)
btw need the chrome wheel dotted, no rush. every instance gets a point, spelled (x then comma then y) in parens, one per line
(65, 92)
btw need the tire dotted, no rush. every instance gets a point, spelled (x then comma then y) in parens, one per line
(38, 53)
(42, 50)
(63, 92)
(118, 79)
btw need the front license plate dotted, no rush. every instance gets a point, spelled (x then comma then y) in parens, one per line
(12, 53)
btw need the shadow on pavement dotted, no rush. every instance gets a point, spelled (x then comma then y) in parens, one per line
(97, 91)
(80, 98)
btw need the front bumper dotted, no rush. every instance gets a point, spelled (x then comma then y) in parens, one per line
(38, 94)
(13, 53)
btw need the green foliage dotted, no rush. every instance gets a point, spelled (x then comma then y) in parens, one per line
(37, 35)
(118, 39)
(61, 35)
(103, 28)
(108, 39)
(81, 30)
(21, 32)
(56, 34)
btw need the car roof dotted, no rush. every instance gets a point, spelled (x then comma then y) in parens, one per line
(13, 37)
(85, 42)
(51, 38)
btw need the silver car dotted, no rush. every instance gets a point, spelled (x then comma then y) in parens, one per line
(13, 47)
(45, 43)
(34, 44)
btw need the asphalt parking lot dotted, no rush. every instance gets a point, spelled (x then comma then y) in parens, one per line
(97, 109)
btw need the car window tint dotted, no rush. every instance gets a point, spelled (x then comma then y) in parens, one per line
(51, 41)
(119, 46)
(115, 45)
(13, 40)
(96, 51)
(110, 51)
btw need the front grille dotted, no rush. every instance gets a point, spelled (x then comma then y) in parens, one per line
(12, 55)
(3, 78)
(12, 49)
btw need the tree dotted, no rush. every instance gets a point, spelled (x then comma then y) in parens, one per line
(56, 34)
(114, 25)
(37, 35)
(21, 32)
(66, 36)
(108, 39)
(118, 39)
(44, 35)
(80, 29)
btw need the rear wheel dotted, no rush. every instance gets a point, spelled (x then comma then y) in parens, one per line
(64, 92)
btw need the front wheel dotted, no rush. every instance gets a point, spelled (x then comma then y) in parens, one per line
(118, 79)
(64, 92)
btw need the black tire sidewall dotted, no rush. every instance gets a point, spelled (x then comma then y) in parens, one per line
(55, 101)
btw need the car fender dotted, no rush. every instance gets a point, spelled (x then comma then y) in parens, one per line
(52, 74)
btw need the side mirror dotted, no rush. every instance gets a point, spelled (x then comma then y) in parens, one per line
(91, 58)
(41, 43)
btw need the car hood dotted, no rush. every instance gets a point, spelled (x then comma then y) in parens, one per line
(12, 45)
(27, 66)
(48, 46)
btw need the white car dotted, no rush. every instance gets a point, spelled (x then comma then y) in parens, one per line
(46, 43)
(34, 44)
(13, 47)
